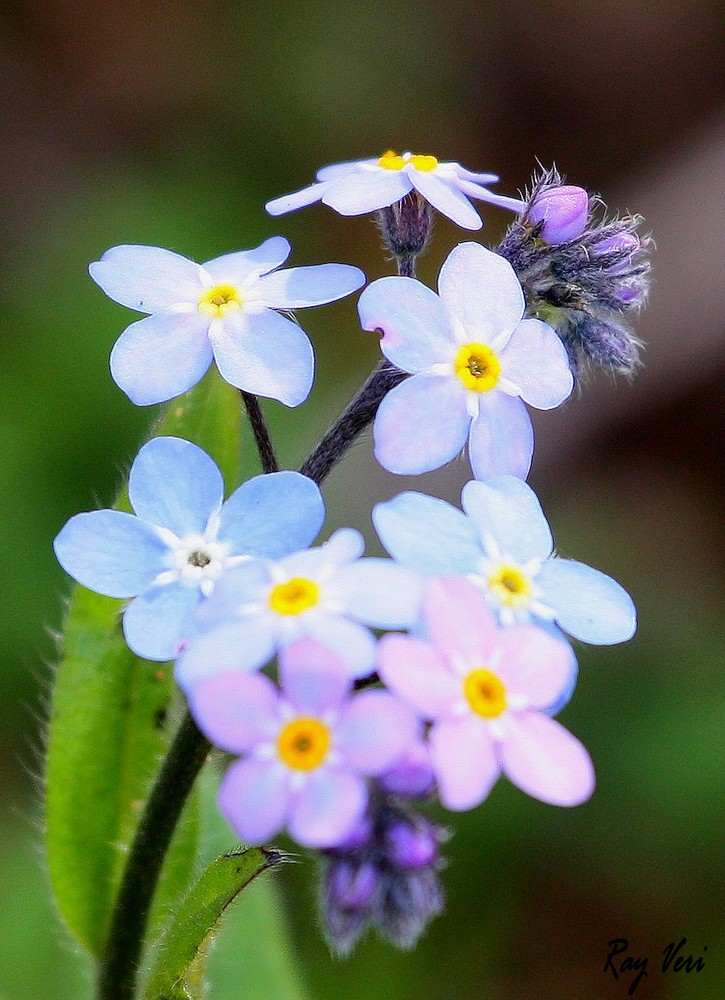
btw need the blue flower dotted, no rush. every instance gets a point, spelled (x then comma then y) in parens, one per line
(223, 310)
(326, 593)
(362, 186)
(503, 544)
(474, 360)
(170, 556)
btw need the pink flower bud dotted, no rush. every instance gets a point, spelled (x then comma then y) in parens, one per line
(563, 211)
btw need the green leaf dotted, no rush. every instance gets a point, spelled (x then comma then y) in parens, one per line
(177, 973)
(107, 729)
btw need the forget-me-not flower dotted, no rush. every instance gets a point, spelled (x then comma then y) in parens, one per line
(361, 186)
(327, 593)
(172, 553)
(307, 749)
(474, 360)
(503, 544)
(486, 690)
(224, 310)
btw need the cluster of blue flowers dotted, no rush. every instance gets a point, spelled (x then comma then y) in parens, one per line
(340, 735)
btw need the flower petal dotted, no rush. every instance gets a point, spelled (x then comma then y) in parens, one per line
(359, 192)
(253, 798)
(458, 620)
(535, 360)
(478, 188)
(421, 424)
(374, 730)
(157, 622)
(236, 646)
(235, 710)
(417, 672)
(464, 761)
(352, 642)
(327, 808)
(344, 546)
(447, 198)
(501, 441)
(314, 678)
(379, 592)
(589, 605)
(481, 289)
(298, 199)
(234, 592)
(298, 287)
(235, 268)
(161, 356)
(507, 509)
(174, 484)
(427, 534)
(545, 760)
(149, 279)
(536, 664)
(414, 321)
(336, 170)
(110, 552)
(273, 515)
(266, 354)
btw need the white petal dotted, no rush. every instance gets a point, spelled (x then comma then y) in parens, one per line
(481, 289)
(149, 279)
(234, 268)
(535, 360)
(357, 193)
(298, 287)
(508, 510)
(447, 198)
(501, 441)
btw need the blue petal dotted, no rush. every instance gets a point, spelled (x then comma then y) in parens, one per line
(501, 442)
(161, 356)
(157, 622)
(421, 424)
(427, 534)
(245, 645)
(589, 605)
(110, 552)
(175, 485)
(266, 354)
(508, 510)
(298, 287)
(354, 643)
(237, 588)
(379, 592)
(273, 515)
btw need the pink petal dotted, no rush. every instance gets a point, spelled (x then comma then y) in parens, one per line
(327, 808)
(417, 672)
(253, 799)
(459, 620)
(535, 664)
(464, 761)
(374, 730)
(545, 760)
(313, 677)
(236, 710)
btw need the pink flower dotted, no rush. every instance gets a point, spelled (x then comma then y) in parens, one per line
(486, 691)
(307, 749)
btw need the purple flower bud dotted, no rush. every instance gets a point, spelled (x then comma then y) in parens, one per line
(350, 885)
(358, 836)
(563, 212)
(409, 846)
(412, 775)
(624, 242)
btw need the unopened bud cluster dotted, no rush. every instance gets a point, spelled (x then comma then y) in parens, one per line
(581, 273)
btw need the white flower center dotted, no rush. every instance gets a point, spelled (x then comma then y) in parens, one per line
(196, 560)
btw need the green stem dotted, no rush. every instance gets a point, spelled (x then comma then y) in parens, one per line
(121, 956)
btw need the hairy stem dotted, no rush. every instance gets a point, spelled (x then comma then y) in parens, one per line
(122, 953)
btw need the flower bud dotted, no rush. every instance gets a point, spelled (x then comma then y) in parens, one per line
(411, 845)
(412, 775)
(625, 242)
(559, 214)
(350, 885)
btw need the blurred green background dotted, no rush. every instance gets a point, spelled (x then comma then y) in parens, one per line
(171, 124)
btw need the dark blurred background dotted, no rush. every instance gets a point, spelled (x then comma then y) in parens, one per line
(172, 124)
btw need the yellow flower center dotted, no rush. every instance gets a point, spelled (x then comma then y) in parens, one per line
(485, 693)
(294, 596)
(510, 586)
(477, 367)
(392, 161)
(303, 744)
(219, 300)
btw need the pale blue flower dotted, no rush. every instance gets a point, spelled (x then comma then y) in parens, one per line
(362, 186)
(503, 544)
(326, 593)
(473, 359)
(224, 310)
(170, 556)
